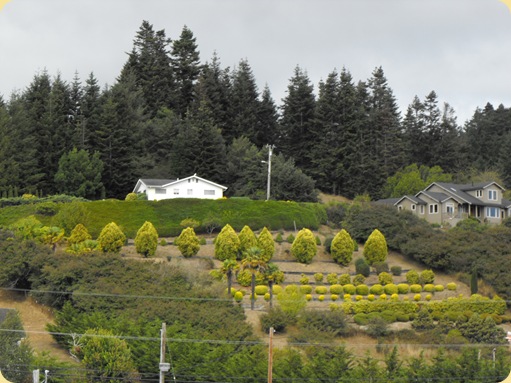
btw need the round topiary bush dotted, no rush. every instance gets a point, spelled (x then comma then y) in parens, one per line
(412, 277)
(390, 289)
(336, 289)
(267, 297)
(416, 288)
(383, 297)
(361, 267)
(334, 297)
(358, 298)
(429, 288)
(402, 317)
(276, 289)
(428, 297)
(403, 288)
(318, 277)
(396, 270)
(362, 289)
(358, 279)
(417, 297)
(371, 297)
(384, 278)
(427, 276)
(344, 279)
(331, 278)
(347, 297)
(375, 248)
(342, 248)
(376, 289)
(261, 289)
(321, 290)
(394, 297)
(349, 289)
(321, 298)
(439, 288)
(305, 289)
(304, 280)
(238, 296)
(308, 297)
(451, 286)
(290, 289)
(304, 246)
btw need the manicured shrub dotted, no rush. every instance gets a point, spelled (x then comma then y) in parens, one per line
(267, 297)
(358, 297)
(261, 289)
(390, 289)
(380, 267)
(344, 279)
(376, 289)
(163, 242)
(247, 239)
(238, 296)
(412, 277)
(318, 277)
(306, 289)
(429, 288)
(276, 318)
(358, 279)
(342, 248)
(308, 297)
(131, 197)
(396, 270)
(291, 289)
(336, 289)
(321, 298)
(244, 278)
(389, 316)
(334, 297)
(362, 289)
(362, 268)
(394, 297)
(318, 240)
(290, 238)
(78, 234)
(436, 315)
(276, 289)
(384, 278)
(304, 247)
(371, 297)
(328, 244)
(331, 278)
(111, 239)
(439, 288)
(417, 297)
(347, 297)
(427, 276)
(383, 297)
(451, 286)
(375, 248)
(304, 279)
(188, 242)
(279, 238)
(403, 288)
(227, 244)
(321, 290)
(266, 244)
(402, 317)
(416, 288)
(349, 289)
(428, 297)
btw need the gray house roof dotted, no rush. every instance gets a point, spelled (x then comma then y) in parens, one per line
(416, 200)
(439, 197)
(156, 182)
(460, 190)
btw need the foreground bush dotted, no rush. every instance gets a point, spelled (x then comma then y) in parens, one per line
(375, 249)
(342, 248)
(111, 239)
(304, 246)
(146, 240)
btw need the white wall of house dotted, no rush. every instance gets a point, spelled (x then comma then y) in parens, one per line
(190, 187)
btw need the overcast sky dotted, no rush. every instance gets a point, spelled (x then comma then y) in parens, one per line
(459, 48)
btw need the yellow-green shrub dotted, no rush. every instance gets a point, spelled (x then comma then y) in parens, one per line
(376, 289)
(305, 289)
(238, 296)
(439, 288)
(344, 279)
(417, 297)
(362, 289)
(383, 297)
(336, 289)
(321, 298)
(370, 297)
(416, 288)
(276, 289)
(349, 289)
(261, 289)
(429, 288)
(267, 297)
(403, 288)
(451, 286)
(321, 290)
(428, 297)
(308, 297)
(334, 297)
(390, 289)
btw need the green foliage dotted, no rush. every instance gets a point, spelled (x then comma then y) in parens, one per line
(331, 278)
(261, 289)
(290, 238)
(276, 318)
(344, 279)
(384, 278)
(328, 244)
(305, 289)
(451, 286)
(403, 288)
(331, 322)
(412, 277)
(336, 289)
(47, 208)
(188, 242)
(390, 289)
(396, 270)
(266, 244)
(304, 246)
(427, 276)
(105, 355)
(78, 235)
(376, 289)
(342, 248)
(361, 267)
(362, 289)
(349, 289)
(380, 267)
(423, 321)
(318, 277)
(26, 228)
(111, 239)
(146, 240)
(189, 222)
(377, 327)
(304, 280)
(415, 288)
(131, 197)
(71, 214)
(227, 244)
(15, 351)
(413, 179)
(321, 290)
(247, 239)
(429, 288)
(375, 249)
(292, 301)
(358, 279)
(279, 238)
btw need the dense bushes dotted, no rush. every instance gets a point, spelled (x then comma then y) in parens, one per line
(304, 246)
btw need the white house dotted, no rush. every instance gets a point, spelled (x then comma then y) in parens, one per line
(189, 187)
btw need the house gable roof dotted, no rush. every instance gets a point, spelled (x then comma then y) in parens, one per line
(166, 182)
(460, 191)
(439, 197)
(412, 198)
(195, 176)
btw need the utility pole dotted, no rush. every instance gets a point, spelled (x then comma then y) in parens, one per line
(270, 356)
(270, 153)
(164, 367)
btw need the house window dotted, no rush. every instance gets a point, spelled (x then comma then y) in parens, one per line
(399, 208)
(449, 208)
(209, 192)
(492, 212)
(160, 191)
(492, 195)
(479, 193)
(433, 208)
(422, 209)
(413, 207)
(189, 192)
(176, 191)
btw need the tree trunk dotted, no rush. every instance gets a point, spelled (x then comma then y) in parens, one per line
(270, 285)
(252, 297)
(229, 282)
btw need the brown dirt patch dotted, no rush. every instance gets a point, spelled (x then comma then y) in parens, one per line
(34, 318)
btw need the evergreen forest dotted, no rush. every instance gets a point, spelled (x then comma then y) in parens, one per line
(170, 114)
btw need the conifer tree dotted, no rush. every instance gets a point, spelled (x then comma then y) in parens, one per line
(375, 248)
(186, 68)
(227, 244)
(266, 130)
(111, 239)
(342, 248)
(247, 239)
(188, 243)
(146, 240)
(78, 234)
(304, 246)
(88, 117)
(266, 243)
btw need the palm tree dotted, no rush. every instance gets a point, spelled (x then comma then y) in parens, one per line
(272, 274)
(228, 267)
(254, 262)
